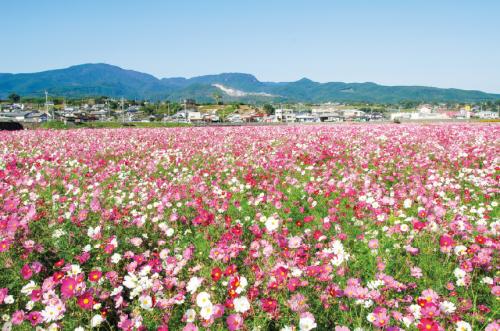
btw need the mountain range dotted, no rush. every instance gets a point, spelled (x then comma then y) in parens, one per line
(87, 80)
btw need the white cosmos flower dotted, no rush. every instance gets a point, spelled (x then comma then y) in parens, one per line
(463, 326)
(487, 280)
(96, 320)
(193, 284)
(272, 224)
(50, 314)
(9, 299)
(447, 307)
(407, 203)
(58, 233)
(243, 285)
(29, 305)
(306, 323)
(75, 270)
(146, 302)
(415, 310)
(116, 290)
(241, 304)
(459, 273)
(28, 288)
(190, 315)
(130, 281)
(460, 250)
(207, 311)
(115, 258)
(203, 299)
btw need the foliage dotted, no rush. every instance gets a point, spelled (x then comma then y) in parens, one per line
(13, 97)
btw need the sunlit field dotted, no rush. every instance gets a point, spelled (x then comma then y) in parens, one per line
(348, 227)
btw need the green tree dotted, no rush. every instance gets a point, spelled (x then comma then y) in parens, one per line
(218, 98)
(14, 98)
(269, 109)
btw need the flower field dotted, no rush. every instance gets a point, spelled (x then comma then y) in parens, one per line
(346, 227)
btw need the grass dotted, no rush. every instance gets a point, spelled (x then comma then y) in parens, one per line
(98, 125)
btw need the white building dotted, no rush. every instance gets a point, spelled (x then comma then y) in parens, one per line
(487, 115)
(284, 115)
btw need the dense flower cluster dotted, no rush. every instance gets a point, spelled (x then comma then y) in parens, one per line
(390, 227)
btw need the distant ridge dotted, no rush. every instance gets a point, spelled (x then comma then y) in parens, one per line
(86, 80)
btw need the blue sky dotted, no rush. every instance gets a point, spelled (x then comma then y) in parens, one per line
(445, 43)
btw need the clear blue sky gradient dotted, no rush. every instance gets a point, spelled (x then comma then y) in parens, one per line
(444, 43)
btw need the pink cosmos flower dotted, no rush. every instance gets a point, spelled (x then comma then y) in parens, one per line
(234, 322)
(373, 244)
(4, 245)
(493, 326)
(35, 318)
(3, 293)
(190, 327)
(68, 287)
(10, 205)
(26, 272)
(36, 295)
(86, 301)
(17, 317)
(298, 303)
(95, 275)
(416, 272)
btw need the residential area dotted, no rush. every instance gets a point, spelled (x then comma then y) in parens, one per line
(189, 111)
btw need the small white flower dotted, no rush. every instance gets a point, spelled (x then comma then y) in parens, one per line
(306, 324)
(28, 288)
(116, 290)
(203, 299)
(241, 304)
(193, 284)
(190, 315)
(115, 258)
(407, 203)
(272, 224)
(96, 320)
(7, 326)
(463, 326)
(207, 311)
(487, 280)
(50, 314)
(460, 250)
(29, 305)
(9, 299)
(53, 327)
(58, 233)
(75, 270)
(459, 273)
(130, 281)
(447, 307)
(146, 302)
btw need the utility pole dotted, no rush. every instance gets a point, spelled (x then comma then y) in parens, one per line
(123, 113)
(46, 102)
